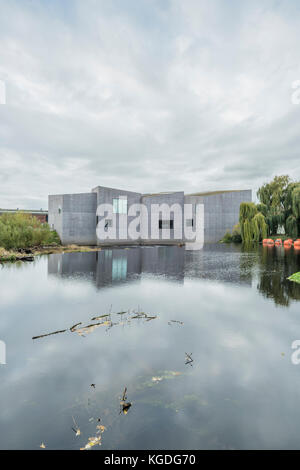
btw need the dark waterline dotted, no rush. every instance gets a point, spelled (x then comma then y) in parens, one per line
(231, 309)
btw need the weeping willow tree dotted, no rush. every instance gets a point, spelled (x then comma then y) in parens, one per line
(296, 201)
(292, 210)
(252, 223)
(272, 198)
(292, 226)
(259, 227)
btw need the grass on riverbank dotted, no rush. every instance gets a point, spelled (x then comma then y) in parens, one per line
(29, 254)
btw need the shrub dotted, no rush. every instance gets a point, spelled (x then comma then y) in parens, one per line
(19, 230)
(236, 234)
(227, 237)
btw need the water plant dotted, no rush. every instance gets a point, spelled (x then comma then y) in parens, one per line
(295, 277)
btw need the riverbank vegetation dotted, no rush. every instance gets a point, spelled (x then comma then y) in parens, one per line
(21, 231)
(23, 236)
(276, 215)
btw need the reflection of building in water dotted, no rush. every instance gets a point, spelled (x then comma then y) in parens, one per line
(79, 265)
(218, 263)
(117, 265)
(164, 261)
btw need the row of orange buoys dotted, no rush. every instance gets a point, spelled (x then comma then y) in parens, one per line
(278, 242)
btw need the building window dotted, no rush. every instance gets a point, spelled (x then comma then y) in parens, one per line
(108, 223)
(166, 224)
(120, 205)
(59, 210)
(119, 269)
(190, 223)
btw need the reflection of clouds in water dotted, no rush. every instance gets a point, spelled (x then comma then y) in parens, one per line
(239, 393)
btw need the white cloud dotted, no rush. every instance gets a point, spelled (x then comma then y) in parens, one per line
(146, 96)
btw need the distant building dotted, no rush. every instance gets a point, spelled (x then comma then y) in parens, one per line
(41, 215)
(75, 217)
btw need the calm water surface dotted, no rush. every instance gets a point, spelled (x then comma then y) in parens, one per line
(235, 314)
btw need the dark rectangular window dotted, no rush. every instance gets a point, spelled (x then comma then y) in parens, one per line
(166, 224)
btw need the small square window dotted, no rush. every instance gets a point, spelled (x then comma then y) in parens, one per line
(108, 223)
(167, 224)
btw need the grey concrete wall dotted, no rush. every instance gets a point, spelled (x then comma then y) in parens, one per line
(168, 198)
(74, 217)
(221, 211)
(55, 217)
(105, 196)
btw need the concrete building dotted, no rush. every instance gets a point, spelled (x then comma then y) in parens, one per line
(108, 216)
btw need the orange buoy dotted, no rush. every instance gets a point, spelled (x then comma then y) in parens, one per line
(268, 242)
(297, 244)
(288, 243)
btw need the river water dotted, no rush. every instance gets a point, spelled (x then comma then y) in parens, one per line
(194, 353)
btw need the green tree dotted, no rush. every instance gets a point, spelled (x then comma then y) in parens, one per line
(252, 223)
(273, 196)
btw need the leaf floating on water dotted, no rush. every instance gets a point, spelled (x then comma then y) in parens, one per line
(125, 408)
(101, 428)
(76, 429)
(93, 441)
(124, 405)
(157, 379)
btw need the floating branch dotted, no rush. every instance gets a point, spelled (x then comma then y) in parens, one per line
(188, 358)
(124, 405)
(49, 334)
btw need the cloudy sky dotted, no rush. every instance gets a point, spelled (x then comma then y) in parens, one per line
(147, 95)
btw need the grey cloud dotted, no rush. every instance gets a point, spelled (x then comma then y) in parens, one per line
(146, 96)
